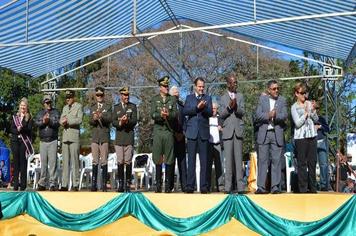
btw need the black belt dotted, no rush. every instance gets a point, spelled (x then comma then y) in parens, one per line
(270, 130)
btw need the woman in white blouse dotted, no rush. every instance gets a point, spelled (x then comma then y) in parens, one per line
(304, 115)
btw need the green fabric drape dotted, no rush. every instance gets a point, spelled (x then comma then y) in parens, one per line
(341, 222)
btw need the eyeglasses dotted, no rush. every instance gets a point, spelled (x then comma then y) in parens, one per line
(301, 93)
(99, 95)
(274, 89)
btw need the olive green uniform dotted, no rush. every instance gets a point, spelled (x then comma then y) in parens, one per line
(163, 141)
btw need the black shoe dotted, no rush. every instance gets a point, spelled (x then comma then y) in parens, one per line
(75, 189)
(41, 188)
(23, 189)
(158, 189)
(312, 191)
(189, 191)
(260, 191)
(204, 192)
(228, 192)
(63, 189)
(242, 192)
(276, 191)
(121, 188)
(52, 188)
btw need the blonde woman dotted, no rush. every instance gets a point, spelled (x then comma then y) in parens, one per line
(21, 146)
(304, 116)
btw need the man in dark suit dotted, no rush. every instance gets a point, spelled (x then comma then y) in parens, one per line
(124, 120)
(198, 108)
(99, 121)
(271, 115)
(232, 110)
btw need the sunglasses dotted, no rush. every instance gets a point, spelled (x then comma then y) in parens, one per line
(301, 93)
(48, 102)
(275, 88)
(99, 95)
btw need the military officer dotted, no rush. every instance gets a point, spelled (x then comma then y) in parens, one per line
(71, 118)
(124, 120)
(163, 112)
(100, 119)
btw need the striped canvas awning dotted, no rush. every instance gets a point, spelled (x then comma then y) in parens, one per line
(37, 36)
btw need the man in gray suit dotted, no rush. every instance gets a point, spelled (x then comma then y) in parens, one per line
(71, 118)
(232, 110)
(271, 116)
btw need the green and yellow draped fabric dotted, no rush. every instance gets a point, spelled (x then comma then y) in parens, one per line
(240, 207)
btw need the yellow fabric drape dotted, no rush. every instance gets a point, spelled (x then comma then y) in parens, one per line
(252, 178)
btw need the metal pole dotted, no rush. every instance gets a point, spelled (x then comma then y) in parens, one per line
(108, 69)
(337, 130)
(134, 18)
(26, 30)
(266, 47)
(142, 35)
(98, 59)
(8, 4)
(257, 61)
(254, 11)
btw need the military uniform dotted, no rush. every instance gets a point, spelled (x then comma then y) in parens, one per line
(163, 141)
(70, 141)
(100, 137)
(124, 140)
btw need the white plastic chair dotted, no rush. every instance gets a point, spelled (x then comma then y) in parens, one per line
(142, 172)
(288, 156)
(34, 169)
(112, 168)
(86, 169)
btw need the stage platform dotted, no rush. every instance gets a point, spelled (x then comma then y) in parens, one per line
(66, 213)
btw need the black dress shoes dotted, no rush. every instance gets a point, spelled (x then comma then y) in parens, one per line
(260, 191)
(276, 191)
(63, 189)
(189, 191)
(52, 188)
(41, 188)
(158, 189)
(242, 192)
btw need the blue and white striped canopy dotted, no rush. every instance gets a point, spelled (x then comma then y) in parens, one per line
(53, 20)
